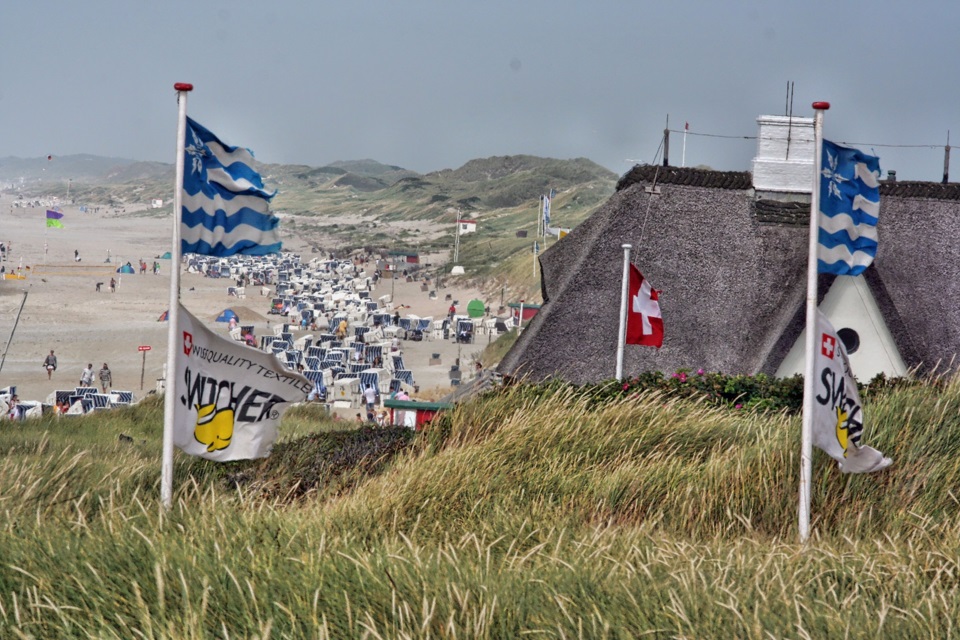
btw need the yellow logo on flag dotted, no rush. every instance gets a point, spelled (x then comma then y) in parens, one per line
(842, 429)
(214, 426)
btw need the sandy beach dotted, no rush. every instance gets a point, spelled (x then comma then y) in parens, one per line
(65, 312)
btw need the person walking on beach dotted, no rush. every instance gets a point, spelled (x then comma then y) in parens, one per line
(370, 397)
(113, 285)
(50, 364)
(86, 378)
(14, 411)
(106, 379)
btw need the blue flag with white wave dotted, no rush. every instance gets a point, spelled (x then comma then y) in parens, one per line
(849, 206)
(225, 207)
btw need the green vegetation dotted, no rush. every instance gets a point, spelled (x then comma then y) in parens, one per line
(496, 350)
(543, 511)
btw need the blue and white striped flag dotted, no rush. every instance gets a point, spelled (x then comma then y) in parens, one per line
(546, 209)
(225, 207)
(849, 206)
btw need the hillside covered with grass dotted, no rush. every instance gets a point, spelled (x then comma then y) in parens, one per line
(366, 205)
(544, 511)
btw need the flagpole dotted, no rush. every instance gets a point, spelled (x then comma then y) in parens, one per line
(169, 397)
(540, 217)
(683, 156)
(624, 294)
(806, 445)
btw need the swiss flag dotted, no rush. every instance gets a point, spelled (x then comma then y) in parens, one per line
(644, 324)
(828, 345)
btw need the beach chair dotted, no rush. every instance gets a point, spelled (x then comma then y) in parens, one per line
(372, 352)
(404, 375)
(121, 397)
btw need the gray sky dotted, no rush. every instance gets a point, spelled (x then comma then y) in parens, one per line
(431, 84)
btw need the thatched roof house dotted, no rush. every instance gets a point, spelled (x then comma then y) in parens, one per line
(729, 256)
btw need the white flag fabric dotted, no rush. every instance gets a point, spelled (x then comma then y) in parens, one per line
(837, 411)
(230, 397)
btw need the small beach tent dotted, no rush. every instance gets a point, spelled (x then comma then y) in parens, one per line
(127, 268)
(226, 315)
(476, 308)
(166, 256)
(163, 316)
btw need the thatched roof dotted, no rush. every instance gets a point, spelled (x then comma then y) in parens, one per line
(732, 272)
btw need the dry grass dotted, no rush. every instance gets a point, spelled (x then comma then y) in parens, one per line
(527, 512)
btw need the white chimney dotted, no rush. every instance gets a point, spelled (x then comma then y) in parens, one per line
(784, 161)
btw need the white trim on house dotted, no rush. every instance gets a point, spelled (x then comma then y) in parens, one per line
(850, 304)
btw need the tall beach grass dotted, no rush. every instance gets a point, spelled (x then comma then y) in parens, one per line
(532, 511)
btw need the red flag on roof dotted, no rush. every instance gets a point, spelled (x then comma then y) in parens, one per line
(644, 324)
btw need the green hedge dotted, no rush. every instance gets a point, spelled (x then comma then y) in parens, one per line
(758, 392)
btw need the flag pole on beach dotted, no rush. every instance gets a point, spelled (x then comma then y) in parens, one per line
(169, 396)
(806, 445)
(624, 294)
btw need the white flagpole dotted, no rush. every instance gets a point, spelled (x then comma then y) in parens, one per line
(806, 446)
(624, 294)
(173, 343)
(683, 156)
(540, 218)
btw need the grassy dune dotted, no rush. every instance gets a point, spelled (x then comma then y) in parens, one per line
(532, 512)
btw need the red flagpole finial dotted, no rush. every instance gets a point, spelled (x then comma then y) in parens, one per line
(183, 86)
(821, 106)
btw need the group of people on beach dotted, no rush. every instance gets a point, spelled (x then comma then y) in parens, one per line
(143, 267)
(86, 377)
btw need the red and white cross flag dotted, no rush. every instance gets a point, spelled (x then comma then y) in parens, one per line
(644, 323)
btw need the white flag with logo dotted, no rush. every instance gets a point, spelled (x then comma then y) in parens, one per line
(230, 397)
(837, 411)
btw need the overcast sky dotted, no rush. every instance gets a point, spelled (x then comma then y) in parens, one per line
(431, 84)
